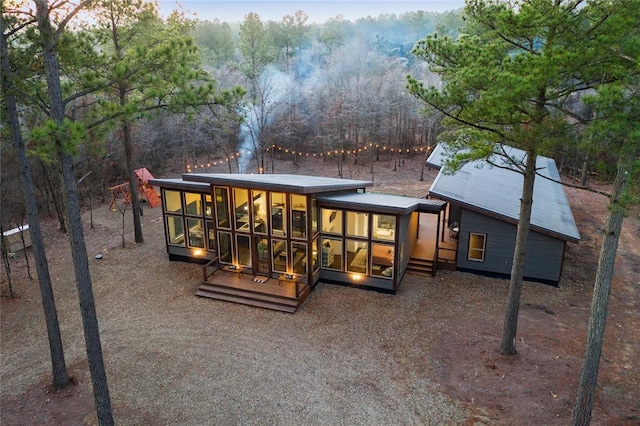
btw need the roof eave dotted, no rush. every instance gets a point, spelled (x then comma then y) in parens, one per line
(179, 185)
(505, 218)
(373, 208)
(294, 189)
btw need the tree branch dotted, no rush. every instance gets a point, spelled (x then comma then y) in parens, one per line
(65, 21)
(571, 185)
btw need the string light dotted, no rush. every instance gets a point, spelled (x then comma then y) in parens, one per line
(329, 153)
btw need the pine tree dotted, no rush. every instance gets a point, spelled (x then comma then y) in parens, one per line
(507, 79)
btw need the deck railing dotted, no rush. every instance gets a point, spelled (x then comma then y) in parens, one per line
(210, 268)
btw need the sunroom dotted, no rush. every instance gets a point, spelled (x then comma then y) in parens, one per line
(267, 240)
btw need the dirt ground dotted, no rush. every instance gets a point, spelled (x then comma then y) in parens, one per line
(427, 355)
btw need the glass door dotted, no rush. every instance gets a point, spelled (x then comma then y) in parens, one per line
(263, 264)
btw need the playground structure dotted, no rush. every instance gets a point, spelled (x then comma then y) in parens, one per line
(121, 194)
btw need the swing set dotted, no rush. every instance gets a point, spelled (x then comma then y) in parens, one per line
(121, 194)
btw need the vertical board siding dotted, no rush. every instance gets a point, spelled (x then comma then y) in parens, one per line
(543, 256)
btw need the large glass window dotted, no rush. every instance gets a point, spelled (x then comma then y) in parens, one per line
(299, 258)
(222, 208)
(298, 216)
(279, 255)
(172, 201)
(226, 249)
(196, 233)
(358, 224)
(244, 250)
(175, 227)
(477, 246)
(241, 207)
(259, 211)
(382, 260)
(332, 221)
(332, 253)
(278, 214)
(211, 236)
(264, 260)
(193, 203)
(314, 216)
(384, 227)
(357, 256)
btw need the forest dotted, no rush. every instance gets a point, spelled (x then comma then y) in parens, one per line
(92, 91)
(224, 93)
(228, 93)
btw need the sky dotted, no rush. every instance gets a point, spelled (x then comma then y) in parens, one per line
(319, 11)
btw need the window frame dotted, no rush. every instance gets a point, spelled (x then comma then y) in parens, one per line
(231, 247)
(482, 250)
(199, 195)
(274, 243)
(334, 240)
(334, 215)
(352, 219)
(238, 237)
(295, 245)
(392, 250)
(300, 216)
(175, 217)
(199, 222)
(165, 200)
(224, 193)
(238, 195)
(280, 232)
(348, 265)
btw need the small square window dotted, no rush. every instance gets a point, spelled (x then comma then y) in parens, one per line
(477, 244)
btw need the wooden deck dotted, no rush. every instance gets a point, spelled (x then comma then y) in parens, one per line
(272, 294)
(423, 256)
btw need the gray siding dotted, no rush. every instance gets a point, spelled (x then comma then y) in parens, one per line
(188, 252)
(543, 257)
(366, 281)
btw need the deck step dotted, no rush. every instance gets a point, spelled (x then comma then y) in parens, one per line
(246, 301)
(420, 273)
(252, 298)
(420, 266)
(421, 262)
(248, 294)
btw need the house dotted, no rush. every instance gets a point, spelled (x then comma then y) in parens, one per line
(484, 204)
(267, 240)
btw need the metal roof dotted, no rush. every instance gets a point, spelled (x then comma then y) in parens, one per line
(496, 191)
(381, 203)
(181, 184)
(437, 157)
(297, 184)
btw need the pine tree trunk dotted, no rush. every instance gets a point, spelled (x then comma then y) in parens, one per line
(59, 368)
(52, 187)
(5, 260)
(600, 298)
(584, 173)
(127, 144)
(133, 180)
(508, 343)
(76, 235)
